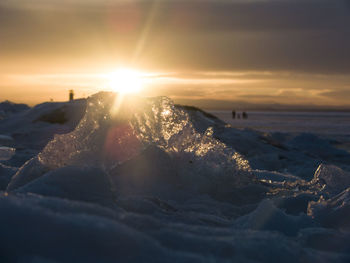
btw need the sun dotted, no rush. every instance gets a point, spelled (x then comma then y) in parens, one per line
(125, 81)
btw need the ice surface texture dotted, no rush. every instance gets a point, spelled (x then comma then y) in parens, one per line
(143, 180)
(114, 131)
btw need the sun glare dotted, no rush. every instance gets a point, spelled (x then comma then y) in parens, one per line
(125, 81)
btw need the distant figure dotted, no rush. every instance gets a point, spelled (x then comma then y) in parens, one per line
(233, 114)
(244, 115)
(238, 116)
(71, 95)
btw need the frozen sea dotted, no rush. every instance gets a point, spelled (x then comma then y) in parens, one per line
(334, 125)
(325, 123)
(144, 180)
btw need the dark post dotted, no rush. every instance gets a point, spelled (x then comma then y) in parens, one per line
(71, 95)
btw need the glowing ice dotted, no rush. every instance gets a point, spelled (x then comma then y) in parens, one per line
(139, 124)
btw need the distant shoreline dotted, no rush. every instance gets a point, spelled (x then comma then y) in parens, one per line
(229, 106)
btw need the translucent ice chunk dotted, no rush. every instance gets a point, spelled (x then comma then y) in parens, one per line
(116, 129)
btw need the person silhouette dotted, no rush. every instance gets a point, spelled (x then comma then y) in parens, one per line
(233, 114)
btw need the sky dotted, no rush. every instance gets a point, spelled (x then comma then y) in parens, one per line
(293, 52)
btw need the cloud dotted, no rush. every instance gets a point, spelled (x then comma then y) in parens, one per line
(181, 15)
(226, 48)
(339, 95)
(292, 35)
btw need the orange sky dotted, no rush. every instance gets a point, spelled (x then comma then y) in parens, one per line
(254, 51)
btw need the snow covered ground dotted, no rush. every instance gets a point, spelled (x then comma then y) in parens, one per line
(143, 180)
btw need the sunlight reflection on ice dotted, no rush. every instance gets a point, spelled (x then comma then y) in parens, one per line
(107, 140)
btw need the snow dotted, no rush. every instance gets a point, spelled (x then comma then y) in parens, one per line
(6, 173)
(6, 153)
(30, 134)
(331, 179)
(149, 181)
(333, 212)
(89, 184)
(7, 109)
(5, 138)
(30, 171)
